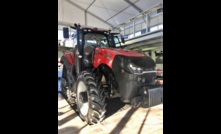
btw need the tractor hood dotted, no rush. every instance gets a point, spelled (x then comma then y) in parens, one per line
(107, 55)
(116, 51)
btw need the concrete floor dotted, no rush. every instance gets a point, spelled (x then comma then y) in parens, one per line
(120, 119)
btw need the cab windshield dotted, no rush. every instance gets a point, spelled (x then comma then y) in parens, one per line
(96, 40)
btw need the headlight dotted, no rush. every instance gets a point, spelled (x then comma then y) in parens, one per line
(133, 68)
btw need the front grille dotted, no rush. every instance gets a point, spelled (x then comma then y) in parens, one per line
(146, 78)
(155, 96)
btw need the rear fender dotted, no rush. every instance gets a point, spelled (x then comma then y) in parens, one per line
(70, 74)
(70, 56)
(66, 63)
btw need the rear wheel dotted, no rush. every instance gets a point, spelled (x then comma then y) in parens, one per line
(64, 82)
(90, 101)
(67, 85)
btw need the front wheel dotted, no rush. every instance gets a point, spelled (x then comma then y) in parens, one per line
(90, 101)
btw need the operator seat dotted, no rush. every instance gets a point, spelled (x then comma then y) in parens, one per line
(88, 55)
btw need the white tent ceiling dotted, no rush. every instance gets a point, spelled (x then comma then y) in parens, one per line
(101, 13)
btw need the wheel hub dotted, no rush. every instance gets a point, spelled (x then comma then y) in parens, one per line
(82, 98)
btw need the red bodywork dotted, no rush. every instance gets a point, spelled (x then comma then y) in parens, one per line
(105, 55)
(159, 70)
(70, 56)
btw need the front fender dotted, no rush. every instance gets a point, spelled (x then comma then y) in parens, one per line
(101, 57)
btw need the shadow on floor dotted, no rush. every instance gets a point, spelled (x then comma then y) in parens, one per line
(66, 119)
(74, 107)
(144, 120)
(123, 121)
(61, 113)
(113, 106)
(71, 130)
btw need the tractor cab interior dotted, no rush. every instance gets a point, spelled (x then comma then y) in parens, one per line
(92, 41)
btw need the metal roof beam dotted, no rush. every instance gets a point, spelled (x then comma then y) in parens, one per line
(145, 37)
(134, 6)
(76, 5)
(90, 5)
(119, 12)
(144, 43)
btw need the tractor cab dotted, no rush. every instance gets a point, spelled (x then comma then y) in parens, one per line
(115, 37)
(87, 39)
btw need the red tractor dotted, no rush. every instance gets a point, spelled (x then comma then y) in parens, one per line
(97, 69)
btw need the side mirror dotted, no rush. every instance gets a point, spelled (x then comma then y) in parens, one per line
(122, 39)
(66, 32)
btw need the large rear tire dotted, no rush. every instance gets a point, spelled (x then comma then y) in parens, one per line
(90, 101)
(67, 85)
